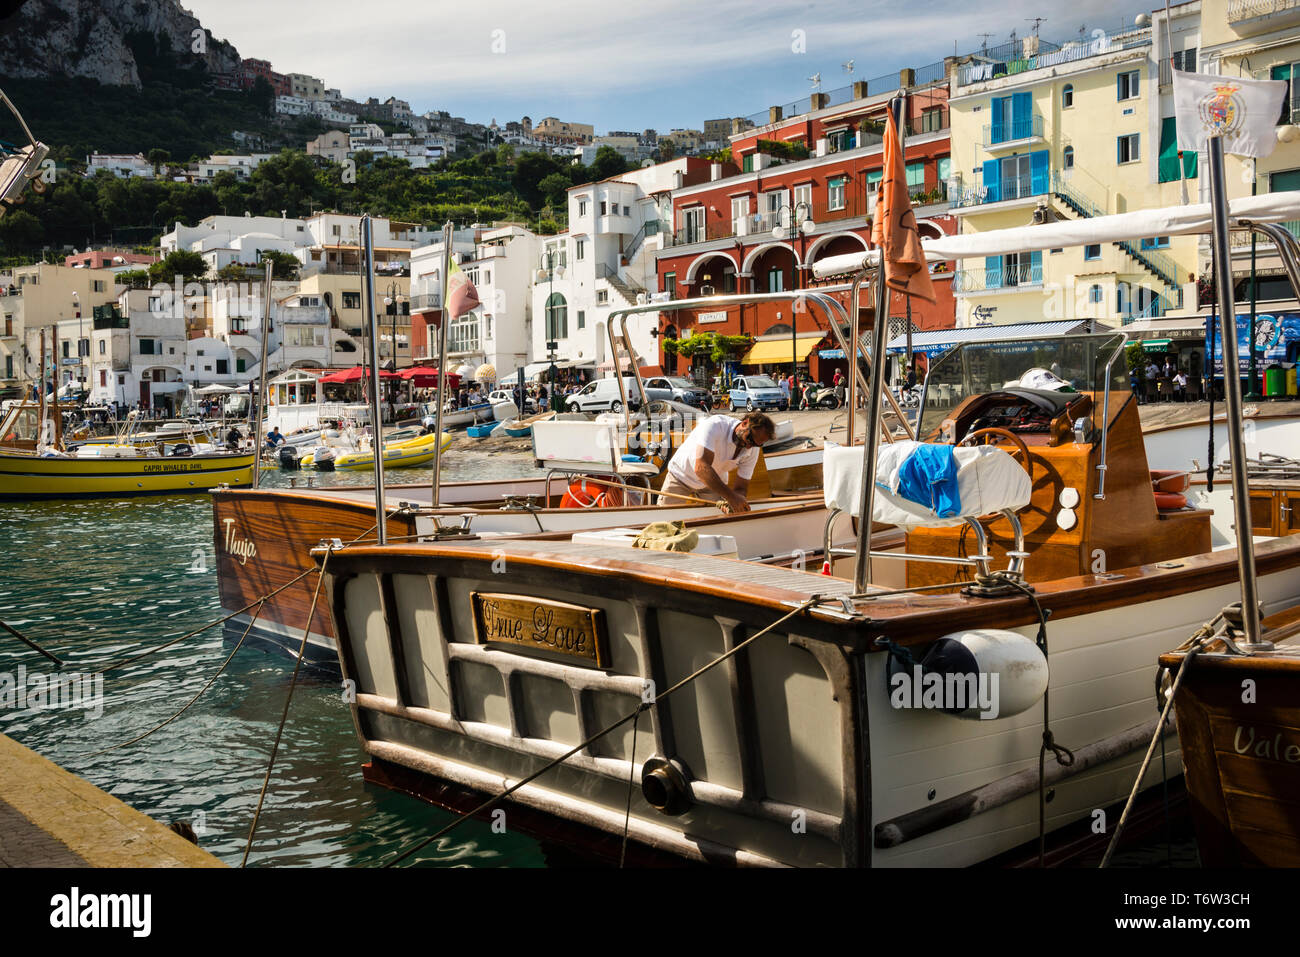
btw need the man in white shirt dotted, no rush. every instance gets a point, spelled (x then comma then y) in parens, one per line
(716, 447)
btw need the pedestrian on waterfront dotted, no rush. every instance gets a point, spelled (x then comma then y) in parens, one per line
(911, 377)
(838, 382)
(1180, 386)
(785, 391)
(233, 438)
(273, 439)
(1169, 367)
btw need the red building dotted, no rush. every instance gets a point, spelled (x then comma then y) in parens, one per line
(108, 258)
(250, 69)
(800, 190)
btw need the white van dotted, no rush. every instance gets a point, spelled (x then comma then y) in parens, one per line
(603, 396)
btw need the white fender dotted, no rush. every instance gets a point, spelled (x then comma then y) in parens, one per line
(1016, 660)
(983, 673)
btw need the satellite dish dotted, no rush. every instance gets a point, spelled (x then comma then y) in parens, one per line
(647, 163)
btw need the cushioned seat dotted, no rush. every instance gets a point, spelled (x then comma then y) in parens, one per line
(988, 480)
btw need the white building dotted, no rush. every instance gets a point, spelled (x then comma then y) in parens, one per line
(604, 262)
(121, 165)
(241, 166)
(293, 106)
(137, 355)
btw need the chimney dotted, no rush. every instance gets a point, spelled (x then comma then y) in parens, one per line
(818, 101)
(715, 172)
(860, 90)
(907, 78)
(761, 161)
(775, 114)
(677, 179)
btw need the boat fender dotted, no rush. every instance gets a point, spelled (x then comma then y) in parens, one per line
(1015, 667)
(664, 786)
(1170, 501)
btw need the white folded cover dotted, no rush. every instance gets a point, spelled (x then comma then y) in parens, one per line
(988, 480)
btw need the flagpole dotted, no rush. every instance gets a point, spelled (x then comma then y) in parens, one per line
(442, 363)
(260, 407)
(871, 441)
(376, 423)
(1232, 394)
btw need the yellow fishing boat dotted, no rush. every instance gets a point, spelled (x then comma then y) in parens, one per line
(412, 452)
(34, 466)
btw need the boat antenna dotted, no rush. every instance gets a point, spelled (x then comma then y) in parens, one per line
(372, 370)
(259, 407)
(442, 362)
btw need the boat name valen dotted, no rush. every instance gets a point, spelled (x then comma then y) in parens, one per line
(1243, 742)
(241, 548)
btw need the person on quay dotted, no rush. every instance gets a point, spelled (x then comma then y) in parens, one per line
(716, 446)
(273, 439)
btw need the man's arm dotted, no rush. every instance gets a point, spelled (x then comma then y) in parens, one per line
(705, 473)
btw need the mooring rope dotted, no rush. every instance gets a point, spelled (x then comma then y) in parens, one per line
(632, 716)
(31, 644)
(631, 778)
(284, 715)
(239, 644)
(1193, 646)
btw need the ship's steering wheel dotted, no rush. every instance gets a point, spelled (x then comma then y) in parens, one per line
(988, 435)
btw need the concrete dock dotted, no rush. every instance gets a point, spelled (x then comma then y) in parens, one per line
(51, 818)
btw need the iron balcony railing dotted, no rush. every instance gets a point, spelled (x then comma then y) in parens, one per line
(1250, 9)
(428, 300)
(1009, 59)
(1009, 188)
(995, 278)
(1014, 129)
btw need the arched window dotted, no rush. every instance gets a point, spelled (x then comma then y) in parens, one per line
(1067, 96)
(1067, 158)
(557, 317)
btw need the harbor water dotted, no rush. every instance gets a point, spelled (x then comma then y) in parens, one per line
(99, 580)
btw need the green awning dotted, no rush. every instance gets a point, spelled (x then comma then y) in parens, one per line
(1157, 345)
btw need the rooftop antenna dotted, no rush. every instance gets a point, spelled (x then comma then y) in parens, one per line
(816, 81)
(848, 67)
(1036, 21)
(984, 42)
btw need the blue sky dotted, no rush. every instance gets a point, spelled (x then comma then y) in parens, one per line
(632, 65)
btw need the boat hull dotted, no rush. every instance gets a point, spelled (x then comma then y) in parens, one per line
(24, 477)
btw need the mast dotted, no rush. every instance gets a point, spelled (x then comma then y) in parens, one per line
(259, 407)
(377, 428)
(40, 394)
(442, 363)
(56, 419)
(1232, 394)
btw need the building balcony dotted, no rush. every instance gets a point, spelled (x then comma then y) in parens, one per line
(1018, 131)
(1008, 190)
(427, 301)
(1252, 17)
(1002, 278)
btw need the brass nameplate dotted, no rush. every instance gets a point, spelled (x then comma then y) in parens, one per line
(539, 623)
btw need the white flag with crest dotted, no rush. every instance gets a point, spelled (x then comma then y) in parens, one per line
(1244, 112)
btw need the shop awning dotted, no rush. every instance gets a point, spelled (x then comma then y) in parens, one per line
(355, 374)
(779, 350)
(1157, 345)
(941, 340)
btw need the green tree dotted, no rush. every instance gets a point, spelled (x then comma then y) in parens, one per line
(608, 162)
(158, 157)
(283, 265)
(183, 263)
(555, 188)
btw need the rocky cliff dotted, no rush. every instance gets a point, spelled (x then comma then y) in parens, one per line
(104, 40)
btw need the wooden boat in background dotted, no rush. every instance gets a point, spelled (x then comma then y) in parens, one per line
(1239, 724)
(522, 428)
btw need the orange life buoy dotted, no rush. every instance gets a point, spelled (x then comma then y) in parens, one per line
(1170, 480)
(1168, 501)
(581, 494)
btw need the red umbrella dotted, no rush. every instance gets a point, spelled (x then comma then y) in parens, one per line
(354, 374)
(426, 377)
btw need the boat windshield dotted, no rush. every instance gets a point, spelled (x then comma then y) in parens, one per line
(1076, 363)
(20, 424)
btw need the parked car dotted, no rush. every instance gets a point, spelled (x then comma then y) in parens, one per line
(679, 390)
(603, 395)
(756, 392)
(508, 395)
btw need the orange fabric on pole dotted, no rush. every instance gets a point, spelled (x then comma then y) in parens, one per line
(894, 229)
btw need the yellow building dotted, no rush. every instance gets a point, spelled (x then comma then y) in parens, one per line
(343, 295)
(1067, 132)
(38, 296)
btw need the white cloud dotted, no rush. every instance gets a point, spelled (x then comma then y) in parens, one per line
(614, 57)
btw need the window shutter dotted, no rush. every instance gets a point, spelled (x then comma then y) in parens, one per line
(1036, 266)
(992, 181)
(992, 272)
(1038, 174)
(1021, 110)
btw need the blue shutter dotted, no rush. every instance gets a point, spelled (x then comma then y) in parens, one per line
(999, 128)
(1036, 266)
(992, 272)
(1021, 110)
(1038, 172)
(1119, 86)
(992, 181)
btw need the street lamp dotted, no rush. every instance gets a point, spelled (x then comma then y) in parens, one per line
(804, 227)
(390, 302)
(549, 273)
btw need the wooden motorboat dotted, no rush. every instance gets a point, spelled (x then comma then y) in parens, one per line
(1238, 713)
(785, 717)
(522, 428)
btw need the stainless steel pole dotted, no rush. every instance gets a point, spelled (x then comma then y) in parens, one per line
(376, 422)
(259, 407)
(442, 364)
(1232, 394)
